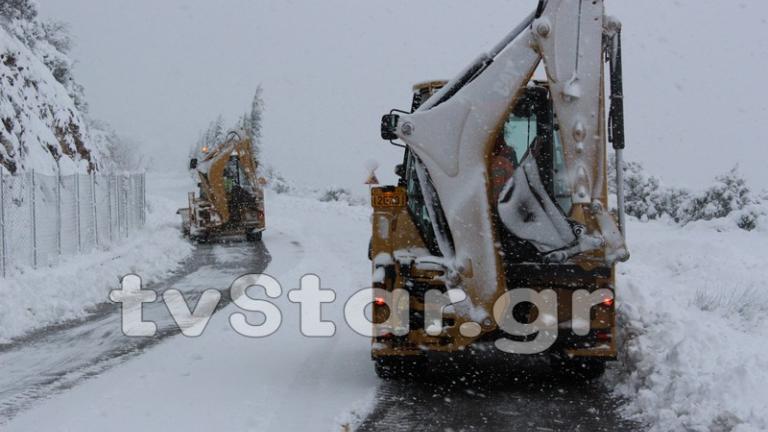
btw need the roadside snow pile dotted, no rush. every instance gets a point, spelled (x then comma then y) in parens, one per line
(43, 297)
(694, 305)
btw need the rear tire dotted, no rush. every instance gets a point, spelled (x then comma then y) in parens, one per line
(199, 239)
(253, 237)
(397, 368)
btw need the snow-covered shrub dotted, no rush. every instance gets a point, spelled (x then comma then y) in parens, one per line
(336, 194)
(748, 220)
(728, 195)
(18, 10)
(645, 196)
(275, 180)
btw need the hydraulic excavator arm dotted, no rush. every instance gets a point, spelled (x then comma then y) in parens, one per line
(453, 134)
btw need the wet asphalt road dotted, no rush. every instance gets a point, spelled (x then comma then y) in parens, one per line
(57, 358)
(498, 394)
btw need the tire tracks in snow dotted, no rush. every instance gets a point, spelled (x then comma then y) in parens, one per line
(54, 359)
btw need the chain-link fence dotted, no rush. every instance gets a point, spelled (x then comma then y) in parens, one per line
(45, 217)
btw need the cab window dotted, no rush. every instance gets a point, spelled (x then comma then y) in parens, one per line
(519, 133)
(532, 121)
(417, 206)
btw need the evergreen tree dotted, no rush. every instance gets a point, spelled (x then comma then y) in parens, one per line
(217, 131)
(253, 121)
(249, 124)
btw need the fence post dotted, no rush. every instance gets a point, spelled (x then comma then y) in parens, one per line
(77, 212)
(109, 205)
(130, 202)
(59, 222)
(119, 202)
(2, 220)
(95, 212)
(143, 199)
(34, 220)
(125, 183)
(127, 205)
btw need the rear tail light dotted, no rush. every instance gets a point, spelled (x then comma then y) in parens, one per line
(608, 302)
(380, 310)
(603, 336)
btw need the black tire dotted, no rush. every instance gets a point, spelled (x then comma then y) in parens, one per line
(254, 237)
(397, 368)
(199, 239)
(579, 368)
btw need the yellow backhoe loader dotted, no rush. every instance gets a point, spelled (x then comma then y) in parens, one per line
(498, 232)
(230, 201)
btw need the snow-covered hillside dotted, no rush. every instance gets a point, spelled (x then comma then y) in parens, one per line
(44, 124)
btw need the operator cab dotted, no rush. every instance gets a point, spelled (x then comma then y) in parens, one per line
(528, 132)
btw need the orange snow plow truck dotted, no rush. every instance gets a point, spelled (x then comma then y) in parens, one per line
(498, 232)
(230, 202)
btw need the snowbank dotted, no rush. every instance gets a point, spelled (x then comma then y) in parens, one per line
(43, 297)
(694, 305)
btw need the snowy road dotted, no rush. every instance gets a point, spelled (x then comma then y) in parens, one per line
(57, 358)
(285, 381)
(483, 396)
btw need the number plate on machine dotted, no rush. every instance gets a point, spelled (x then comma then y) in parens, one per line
(388, 198)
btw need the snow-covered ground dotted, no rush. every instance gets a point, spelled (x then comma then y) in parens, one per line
(225, 381)
(694, 302)
(37, 298)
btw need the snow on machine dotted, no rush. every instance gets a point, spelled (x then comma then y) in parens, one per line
(498, 232)
(231, 198)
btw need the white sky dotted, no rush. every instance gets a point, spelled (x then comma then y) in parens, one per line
(160, 70)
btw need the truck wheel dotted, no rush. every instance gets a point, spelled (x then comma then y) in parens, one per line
(579, 368)
(253, 237)
(199, 239)
(395, 367)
